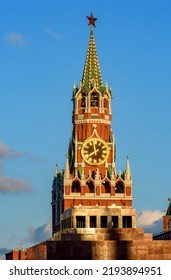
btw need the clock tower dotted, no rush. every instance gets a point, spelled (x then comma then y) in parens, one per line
(90, 193)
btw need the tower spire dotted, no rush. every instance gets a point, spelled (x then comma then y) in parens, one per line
(56, 171)
(128, 170)
(67, 171)
(92, 73)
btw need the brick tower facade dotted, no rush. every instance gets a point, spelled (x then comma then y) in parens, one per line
(90, 193)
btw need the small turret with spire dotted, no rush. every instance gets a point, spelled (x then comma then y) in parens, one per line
(56, 171)
(127, 170)
(67, 170)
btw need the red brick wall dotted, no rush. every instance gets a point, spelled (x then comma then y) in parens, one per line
(37, 252)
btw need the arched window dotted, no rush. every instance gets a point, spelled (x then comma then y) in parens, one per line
(119, 188)
(94, 101)
(83, 102)
(105, 103)
(106, 187)
(76, 187)
(90, 186)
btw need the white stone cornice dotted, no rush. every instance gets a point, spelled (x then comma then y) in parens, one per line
(93, 196)
(93, 121)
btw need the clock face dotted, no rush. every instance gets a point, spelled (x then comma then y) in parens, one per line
(95, 151)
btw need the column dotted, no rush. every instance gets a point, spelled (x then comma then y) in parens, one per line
(98, 225)
(87, 221)
(109, 221)
(120, 222)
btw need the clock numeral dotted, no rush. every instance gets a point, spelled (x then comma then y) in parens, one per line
(103, 147)
(94, 161)
(90, 159)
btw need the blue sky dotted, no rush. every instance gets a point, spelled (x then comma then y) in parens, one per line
(43, 46)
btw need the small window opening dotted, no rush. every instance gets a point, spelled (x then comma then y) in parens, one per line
(83, 102)
(114, 221)
(90, 187)
(80, 221)
(106, 187)
(127, 221)
(76, 187)
(93, 221)
(119, 187)
(103, 221)
(94, 99)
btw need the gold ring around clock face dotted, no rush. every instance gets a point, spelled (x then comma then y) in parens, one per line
(95, 151)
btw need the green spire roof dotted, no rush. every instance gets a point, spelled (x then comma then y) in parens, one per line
(92, 74)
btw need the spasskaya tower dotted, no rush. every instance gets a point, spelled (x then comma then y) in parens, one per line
(90, 193)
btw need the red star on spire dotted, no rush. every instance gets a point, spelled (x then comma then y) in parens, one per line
(91, 20)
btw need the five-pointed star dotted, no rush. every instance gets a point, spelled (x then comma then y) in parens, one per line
(91, 20)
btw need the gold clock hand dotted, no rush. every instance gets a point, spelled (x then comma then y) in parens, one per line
(94, 148)
(95, 152)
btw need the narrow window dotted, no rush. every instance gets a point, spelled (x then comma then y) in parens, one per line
(119, 187)
(90, 187)
(94, 99)
(114, 221)
(105, 103)
(103, 221)
(106, 187)
(127, 221)
(93, 221)
(76, 187)
(80, 221)
(83, 103)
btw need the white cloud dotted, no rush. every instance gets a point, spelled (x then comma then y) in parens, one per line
(15, 39)
(6, 152)
(10, 185)
(148, 217)
(52, 33)
(150, 220)
(39, 234)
